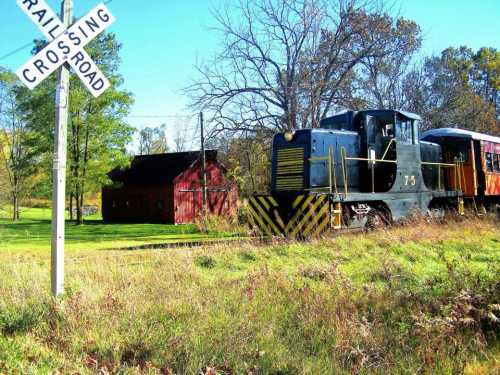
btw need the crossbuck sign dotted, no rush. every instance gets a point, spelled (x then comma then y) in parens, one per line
(66, 45)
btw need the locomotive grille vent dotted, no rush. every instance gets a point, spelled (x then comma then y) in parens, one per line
(290, 169)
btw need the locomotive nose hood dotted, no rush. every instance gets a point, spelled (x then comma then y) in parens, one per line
(300, 162)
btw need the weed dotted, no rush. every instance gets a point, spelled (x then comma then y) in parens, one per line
(248, 256)
(18, 321)
(205, 261)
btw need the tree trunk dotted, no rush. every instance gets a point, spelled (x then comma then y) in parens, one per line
(71, 216)
(250, 173)
(80, 202)
(79, 211)
(79, 196)
(15, 205)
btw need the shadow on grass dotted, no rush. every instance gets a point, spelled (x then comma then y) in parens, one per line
(93, 230)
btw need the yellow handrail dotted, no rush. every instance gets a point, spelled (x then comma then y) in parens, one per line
(441, 164)
(393, 140)
(463, 175)
(344, 167)
(439, 177)
(372, 160)
(334, 172)
(330, 169)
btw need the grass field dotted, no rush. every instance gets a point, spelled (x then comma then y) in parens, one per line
(415, 299)
(31, 236)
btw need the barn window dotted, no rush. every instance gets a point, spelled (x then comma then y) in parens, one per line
(489, 162)
(496, 163)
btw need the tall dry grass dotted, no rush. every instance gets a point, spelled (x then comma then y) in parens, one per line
(411, 299)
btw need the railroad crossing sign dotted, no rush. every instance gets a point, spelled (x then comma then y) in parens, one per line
(66, 45)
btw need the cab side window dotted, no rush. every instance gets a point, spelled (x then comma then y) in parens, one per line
(404, 131)
(415, 131)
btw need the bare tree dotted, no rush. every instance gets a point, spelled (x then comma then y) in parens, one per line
(180, 139)
(145, 141)
(287, 64)
(383, 80)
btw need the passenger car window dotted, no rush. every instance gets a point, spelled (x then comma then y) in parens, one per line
(489, 162)
(496, 163)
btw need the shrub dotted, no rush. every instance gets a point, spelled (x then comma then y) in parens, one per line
(15, 321)
(205, 261)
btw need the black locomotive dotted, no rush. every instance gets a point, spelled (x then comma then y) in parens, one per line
(358, 169)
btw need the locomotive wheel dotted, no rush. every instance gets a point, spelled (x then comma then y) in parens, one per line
(377, 219)
(437, 213)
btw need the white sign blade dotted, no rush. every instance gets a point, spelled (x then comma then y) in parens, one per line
(68, 47)
(90, 25)
(43, 16)
(89, 73)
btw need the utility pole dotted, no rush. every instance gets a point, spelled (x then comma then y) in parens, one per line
(203, 170)
(59, 172)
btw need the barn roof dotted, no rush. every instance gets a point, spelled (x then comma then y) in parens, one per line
(434, 134)
(160, 168)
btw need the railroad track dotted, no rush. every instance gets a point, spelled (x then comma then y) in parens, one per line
(188, 243)
(255, 240)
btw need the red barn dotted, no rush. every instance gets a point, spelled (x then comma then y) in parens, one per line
(166, 188)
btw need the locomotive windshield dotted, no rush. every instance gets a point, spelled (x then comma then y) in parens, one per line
(339, 122)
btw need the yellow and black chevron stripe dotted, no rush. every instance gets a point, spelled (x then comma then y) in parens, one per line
(263, 215)
(308, 216)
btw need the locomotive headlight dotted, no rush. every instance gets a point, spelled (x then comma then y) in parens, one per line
(289, 135)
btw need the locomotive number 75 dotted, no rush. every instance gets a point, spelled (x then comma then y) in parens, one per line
(410, 180)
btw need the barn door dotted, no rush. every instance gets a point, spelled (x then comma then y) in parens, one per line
(187, 206)
(218, 202)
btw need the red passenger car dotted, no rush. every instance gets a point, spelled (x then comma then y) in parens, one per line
(480, 154)
(167, 188)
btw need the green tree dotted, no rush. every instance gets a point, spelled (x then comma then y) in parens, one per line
(247, 159)
(153, 140)
(457, 88)
(16, 154)
(97, 131)
(486, 76)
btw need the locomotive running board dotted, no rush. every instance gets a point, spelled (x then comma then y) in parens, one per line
(299, 216)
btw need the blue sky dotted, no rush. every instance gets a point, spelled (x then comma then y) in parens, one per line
(163, 39)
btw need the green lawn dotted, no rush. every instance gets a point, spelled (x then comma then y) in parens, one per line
(32, 234)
